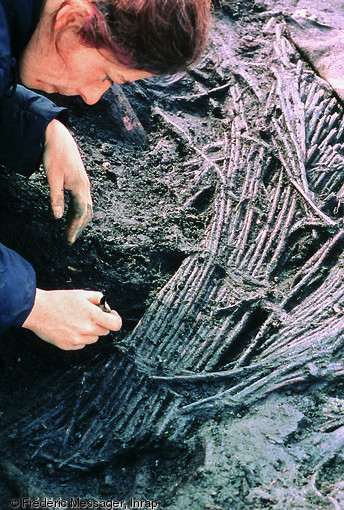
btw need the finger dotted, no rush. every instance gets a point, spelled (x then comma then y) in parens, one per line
(94, 331)
(77, 347)
(111, 321)
(97, 298)
(105, 332)
(93, 296)
(78, 216)
(86, 340)
(57, 195)
(91, 339)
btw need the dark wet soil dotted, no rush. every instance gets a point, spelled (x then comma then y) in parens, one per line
(152, 209)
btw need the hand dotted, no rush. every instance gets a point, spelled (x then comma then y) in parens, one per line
(70, 319)
(65, 171)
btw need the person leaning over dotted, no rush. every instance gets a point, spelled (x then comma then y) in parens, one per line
(74, 47)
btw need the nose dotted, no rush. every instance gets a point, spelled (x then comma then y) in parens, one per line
(92, 93)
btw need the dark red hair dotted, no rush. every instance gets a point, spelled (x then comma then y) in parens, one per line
(158, 36)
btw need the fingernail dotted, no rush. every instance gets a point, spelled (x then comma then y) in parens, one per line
(58, 212)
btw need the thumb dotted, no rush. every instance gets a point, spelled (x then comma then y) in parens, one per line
(57, 196)
(94, 296)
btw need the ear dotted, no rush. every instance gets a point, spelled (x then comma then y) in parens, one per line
(72, 14)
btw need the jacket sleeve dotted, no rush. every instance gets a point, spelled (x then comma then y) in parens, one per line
(24, 118)
(17, 288)
(24, 115)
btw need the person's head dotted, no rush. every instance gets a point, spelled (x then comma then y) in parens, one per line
(80, 46)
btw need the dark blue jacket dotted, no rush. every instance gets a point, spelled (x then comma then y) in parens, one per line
(24, 116)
